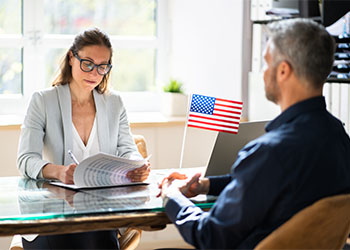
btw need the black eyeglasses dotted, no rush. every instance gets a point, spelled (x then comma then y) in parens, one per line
(88, 66)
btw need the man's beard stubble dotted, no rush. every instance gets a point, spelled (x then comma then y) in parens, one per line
(272, 92)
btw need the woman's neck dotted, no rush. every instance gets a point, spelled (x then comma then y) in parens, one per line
(80, 96)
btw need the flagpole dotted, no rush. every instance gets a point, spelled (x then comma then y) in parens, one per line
(185, 131)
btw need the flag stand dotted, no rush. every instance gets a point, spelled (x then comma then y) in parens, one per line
(185, 131)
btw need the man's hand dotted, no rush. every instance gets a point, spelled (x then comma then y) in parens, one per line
(191, 188)
(139, 174)
(167, 187)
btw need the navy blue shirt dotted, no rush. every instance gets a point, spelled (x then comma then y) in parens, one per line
(304, 156)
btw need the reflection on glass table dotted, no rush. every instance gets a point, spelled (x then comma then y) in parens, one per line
(36, 207)
(37, 199)
(27, 199)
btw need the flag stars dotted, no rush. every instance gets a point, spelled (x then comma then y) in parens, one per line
(202, 104)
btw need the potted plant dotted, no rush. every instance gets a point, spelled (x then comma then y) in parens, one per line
(174, 101)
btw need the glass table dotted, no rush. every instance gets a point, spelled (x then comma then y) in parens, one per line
(33, 207)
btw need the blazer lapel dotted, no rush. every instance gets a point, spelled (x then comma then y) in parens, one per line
(102, 122)
(65, 103)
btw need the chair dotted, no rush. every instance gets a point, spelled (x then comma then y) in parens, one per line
(131, 237)
(322, 225)
(141, 145)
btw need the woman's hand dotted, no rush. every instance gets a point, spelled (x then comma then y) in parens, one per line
(66, 174)
(139, 174)
(60, 172)
(61, 193)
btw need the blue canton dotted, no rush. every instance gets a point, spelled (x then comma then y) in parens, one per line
(202, 104)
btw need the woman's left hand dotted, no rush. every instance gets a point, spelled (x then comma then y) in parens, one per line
(139, 174)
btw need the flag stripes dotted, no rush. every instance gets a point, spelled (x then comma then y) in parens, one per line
(215, 129)
(214, 114)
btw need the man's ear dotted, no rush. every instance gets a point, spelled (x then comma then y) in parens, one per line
(284, 71)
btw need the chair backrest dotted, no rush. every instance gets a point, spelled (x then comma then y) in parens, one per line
(322, 225)
(141, 145)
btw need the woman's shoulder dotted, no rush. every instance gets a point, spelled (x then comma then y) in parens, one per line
(48, 95)
(49, 91)
(112, 95)
(43, 92)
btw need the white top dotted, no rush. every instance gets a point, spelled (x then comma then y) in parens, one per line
(92, 147)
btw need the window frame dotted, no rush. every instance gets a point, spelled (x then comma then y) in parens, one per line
(34, 43)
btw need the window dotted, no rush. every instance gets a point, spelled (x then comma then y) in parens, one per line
(11, 57)
(35, 34)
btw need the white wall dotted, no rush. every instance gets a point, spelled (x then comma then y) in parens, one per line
(259, 107)
(206, 46)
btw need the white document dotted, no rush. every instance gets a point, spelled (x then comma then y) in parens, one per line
(103, 170)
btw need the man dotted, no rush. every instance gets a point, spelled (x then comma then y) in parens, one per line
(303, 157)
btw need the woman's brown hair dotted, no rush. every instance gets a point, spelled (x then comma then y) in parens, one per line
(87, 38)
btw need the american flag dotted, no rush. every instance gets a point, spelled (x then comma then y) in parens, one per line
(214, 114)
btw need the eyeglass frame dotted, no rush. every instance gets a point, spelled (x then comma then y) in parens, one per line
(75, 54)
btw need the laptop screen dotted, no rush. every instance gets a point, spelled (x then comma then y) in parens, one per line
(228, 145)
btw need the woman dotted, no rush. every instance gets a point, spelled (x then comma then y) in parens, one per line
(80, 114)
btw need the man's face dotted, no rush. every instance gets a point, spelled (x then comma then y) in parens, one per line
(272, 90)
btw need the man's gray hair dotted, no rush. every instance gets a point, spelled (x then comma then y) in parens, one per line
(306, 46)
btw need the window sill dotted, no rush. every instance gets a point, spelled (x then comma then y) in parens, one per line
(136, 119)
(154, 119)
(10, 122)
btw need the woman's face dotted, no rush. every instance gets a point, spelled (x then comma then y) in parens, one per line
(88, 80)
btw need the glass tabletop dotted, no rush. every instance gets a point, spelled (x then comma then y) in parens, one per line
(27, 199)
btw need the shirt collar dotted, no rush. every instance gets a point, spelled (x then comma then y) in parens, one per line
(314, 103)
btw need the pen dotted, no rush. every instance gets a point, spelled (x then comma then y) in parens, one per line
(73, 157)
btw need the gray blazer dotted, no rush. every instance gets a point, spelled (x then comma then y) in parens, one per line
(46, 133)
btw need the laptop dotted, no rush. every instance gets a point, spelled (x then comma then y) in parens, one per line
(228, 145)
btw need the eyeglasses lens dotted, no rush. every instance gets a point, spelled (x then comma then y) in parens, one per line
(88, 66)
(103, 69)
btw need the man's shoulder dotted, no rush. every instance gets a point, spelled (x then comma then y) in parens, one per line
(268, 140)
(318, 127)
(304, 135)
(276, 144)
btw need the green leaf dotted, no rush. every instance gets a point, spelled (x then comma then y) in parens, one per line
(173, 86)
